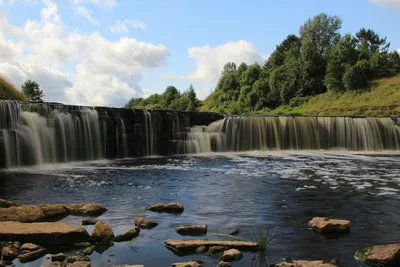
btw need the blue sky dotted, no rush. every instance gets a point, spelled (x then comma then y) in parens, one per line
(103, 52)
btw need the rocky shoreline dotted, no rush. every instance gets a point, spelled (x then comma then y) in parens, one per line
(28, 233)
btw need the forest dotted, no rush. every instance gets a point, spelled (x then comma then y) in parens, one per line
(317, 60)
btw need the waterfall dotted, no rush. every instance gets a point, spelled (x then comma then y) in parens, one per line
(295, 133)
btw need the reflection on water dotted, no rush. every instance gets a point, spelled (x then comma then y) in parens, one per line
(242, 191)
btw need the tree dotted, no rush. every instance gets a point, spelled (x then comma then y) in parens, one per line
(229, 68)
(371, 41)
(322, 30)
(170, 94)
(32, 90)
(251, 75)
(358, 76)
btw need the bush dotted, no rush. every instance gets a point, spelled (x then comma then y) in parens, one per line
(358, 76)
(298, 101)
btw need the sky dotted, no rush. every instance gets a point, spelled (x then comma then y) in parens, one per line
(104, 52)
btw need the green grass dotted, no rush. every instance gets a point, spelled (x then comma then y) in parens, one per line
(383, 99)
(8, 91)
(264, 235)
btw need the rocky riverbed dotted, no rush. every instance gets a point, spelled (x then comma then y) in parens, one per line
(111, 221)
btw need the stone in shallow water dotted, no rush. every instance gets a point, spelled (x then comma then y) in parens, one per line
(217, 249)
(232, 254)
(6, 203)
(85, 209)
(102, 232)
(224, 264)
(127, 236)
(187, 264)
(55, 233)
(89, 222)
(10, 252)
(383, 255)
(191, 229)
(54, 211)
(21, 214)
(33, 255)
(30, 247)
(173, 207)
(326, 225)
(79, 264)
(145, 224)
(78, 258)
(301, 263)
(58, 257)
(192, 245)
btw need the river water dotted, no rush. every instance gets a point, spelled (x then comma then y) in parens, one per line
(225, 191)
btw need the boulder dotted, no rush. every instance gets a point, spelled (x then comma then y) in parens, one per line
(79, 264)
(6, 203)
(10, 252)
(191, 229)
(2, 263)
(232, 254)
(21, 214)
(78, 258)
(33, 255)
(127, 236)
(126, 265)
(15, 244)
(55, 264)
(192, 245)
(81, 245)
(51, 211)
(223, 264)
(217, 249)
(85, 209)
(173, 207)
(145, 224)
(55, 233)
(186, 264)
(58, 257)
(383, 255)
(30, 247)
(326, 225)
(89, 222)
(201, 249)
(302, 263)
(88, 250)
(102, 233)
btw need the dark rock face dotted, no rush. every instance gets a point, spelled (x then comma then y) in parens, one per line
(127, 236)
(115, 132)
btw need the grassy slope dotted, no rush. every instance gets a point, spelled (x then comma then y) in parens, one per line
(8, 91)
(383, 99)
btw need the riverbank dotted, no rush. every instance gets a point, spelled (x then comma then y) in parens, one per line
(383, 99)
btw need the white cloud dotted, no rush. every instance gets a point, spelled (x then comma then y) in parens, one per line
(87, 14)
(106, 72)
(123, 26)
(101, 3)
(211, 60)
(203, 93)
(24, 1)
(398, 50)
(386, 2)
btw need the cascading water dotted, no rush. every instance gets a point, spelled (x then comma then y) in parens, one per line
(295, 133)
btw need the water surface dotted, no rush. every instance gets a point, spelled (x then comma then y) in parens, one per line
(231, 190)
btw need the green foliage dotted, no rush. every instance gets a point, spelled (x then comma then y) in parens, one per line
(8, 91)
(171, 99)
(358, 76)
(264, 235)
(251, 75)
(298, 101)
(32, 90)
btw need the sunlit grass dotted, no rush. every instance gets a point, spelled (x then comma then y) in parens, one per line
(264, 235)
(8, 91)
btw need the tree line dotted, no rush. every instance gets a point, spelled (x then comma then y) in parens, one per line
(171, 99)
(318, 60)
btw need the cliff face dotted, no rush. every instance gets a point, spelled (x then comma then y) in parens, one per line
(37, 133)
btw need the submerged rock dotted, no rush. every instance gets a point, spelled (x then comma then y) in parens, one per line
(79, 264)
(58, 257)
(33, 255)
(30, 247)
(187, 264)
(201, 249)
(191, 229)
(127, 236)
(232, 254)
(217, 249)
(173, 207)
(86, 209)
(89, 222)
(6, 203)
(102, 232)
(192, 245)
(54, 211)
(224, 264)
(301, 263)
(46, 233)
(10, 252)
(78, 258)
(126, 265)
(383, 255)
(145, 224)
(326, 225)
